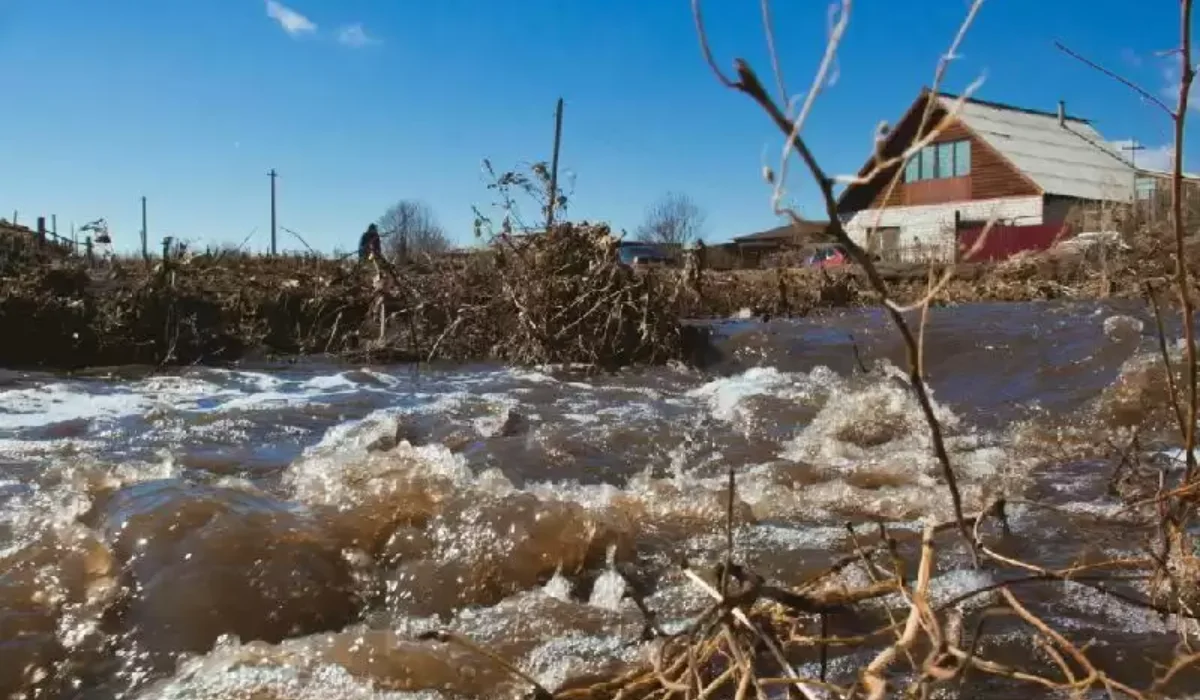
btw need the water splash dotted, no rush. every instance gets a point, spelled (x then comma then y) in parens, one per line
(610, 586)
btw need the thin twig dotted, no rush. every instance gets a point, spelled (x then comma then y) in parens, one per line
(1166, 358)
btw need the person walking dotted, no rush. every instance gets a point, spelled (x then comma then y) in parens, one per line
(370, 246)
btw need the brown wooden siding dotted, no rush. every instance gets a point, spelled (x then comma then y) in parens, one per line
(991, 175)
(945, 189)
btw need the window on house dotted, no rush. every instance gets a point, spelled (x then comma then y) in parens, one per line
(962, 158)
(940, 160)
(928, 163)
(945, 159)
(912, 169)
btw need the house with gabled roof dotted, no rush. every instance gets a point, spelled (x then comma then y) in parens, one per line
(753, 248)
(1026, 168)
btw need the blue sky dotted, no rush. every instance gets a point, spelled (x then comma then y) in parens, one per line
(361, 103)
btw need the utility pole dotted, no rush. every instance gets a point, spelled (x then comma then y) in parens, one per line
(273, 175)
(1133, 147)
(553, 196)
(145, 233)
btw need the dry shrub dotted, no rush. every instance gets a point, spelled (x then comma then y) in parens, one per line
(571, 300)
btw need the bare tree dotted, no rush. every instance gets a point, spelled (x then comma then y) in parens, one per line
(410, 228)
(675, 220)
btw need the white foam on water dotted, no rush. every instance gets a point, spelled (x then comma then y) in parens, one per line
(1121, 327)
(62, 402)
(774, 538)
(208, 391)
(610, 586)
(1101, 609)
(558, 587)
(555, 662)
(725, 396)
(335, 381)
(231, 673)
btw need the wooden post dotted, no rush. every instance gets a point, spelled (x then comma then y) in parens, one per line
(54, 225)
(145, 234)
(41, 230)
(87, 243)
(958, 251)
(272, 175)
(553, 196)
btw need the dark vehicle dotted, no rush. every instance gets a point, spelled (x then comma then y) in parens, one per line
(636, 255)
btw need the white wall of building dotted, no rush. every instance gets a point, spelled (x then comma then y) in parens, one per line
(930, 227)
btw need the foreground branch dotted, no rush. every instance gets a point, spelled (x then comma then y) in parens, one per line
(748, 83)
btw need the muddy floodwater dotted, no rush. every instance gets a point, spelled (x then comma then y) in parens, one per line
(287, 532)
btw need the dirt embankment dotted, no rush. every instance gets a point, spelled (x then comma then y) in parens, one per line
(557, 298)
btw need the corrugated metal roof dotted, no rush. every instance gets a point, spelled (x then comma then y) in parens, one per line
(1070, 159)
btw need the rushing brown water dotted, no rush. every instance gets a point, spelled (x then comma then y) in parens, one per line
(289, 532)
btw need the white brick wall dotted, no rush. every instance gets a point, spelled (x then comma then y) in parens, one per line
(931, 226)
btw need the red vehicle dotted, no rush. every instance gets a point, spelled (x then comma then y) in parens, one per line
(829, 256)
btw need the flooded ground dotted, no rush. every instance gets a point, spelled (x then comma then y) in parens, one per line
(290, 532)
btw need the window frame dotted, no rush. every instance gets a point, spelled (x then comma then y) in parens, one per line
(965, 145)
(940, 151)
(912, 169)
(927, 163)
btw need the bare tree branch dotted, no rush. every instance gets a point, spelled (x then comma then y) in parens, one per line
(749, 84)
(1187, 75)
(1146, 95)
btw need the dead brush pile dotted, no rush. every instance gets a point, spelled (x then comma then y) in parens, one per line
(774, 292)
(566, 297)
(19, 250)
(200, 309)
(550, 298)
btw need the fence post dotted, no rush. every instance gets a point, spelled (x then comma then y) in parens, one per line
(957, 245)
(41, 231)
(87, 244)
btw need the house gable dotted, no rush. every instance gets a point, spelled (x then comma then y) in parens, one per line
(991, 175)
